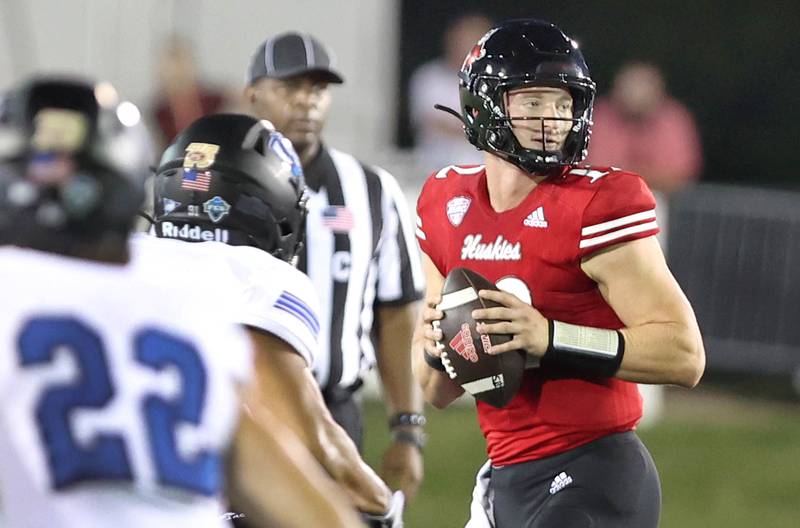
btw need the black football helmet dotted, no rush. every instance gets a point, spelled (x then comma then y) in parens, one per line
(516, 54)
(232, 178)
(73, 162)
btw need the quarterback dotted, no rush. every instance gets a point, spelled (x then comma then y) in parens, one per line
(584, 291)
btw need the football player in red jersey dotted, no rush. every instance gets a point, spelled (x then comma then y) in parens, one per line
(586, 292)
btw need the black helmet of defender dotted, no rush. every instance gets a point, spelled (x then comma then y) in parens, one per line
(232, 178)
(73, 162)
(516, 54)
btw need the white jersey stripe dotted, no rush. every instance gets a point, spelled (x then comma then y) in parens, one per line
(614, 235)
(319, 268)
(367, 358)
(619, 222)
(421, 234)
(467, 171)
(393, 193)
(354, 188)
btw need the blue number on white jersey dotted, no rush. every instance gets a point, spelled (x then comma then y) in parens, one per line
(107, 457)
(159, 350)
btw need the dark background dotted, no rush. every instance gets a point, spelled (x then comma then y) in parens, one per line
(734, 64)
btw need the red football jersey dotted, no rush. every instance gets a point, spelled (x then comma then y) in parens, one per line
(534, 251)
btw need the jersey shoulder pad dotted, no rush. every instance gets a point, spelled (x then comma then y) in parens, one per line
(455, 171)
(445, 182)
(278, 299)
(621, 209)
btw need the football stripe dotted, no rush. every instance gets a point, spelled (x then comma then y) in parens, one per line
(484, 384)
(589, 242)
(619, 222)
(457, 298)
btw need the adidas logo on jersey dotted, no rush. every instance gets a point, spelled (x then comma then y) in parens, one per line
(500, 249)
(561, 481)
(196, 233)
(536, 218)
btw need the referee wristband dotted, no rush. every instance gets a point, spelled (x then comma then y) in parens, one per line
(433, 362)
(595, 352)
(407, 437)
(407, 418)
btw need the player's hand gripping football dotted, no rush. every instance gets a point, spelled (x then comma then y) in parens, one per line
(431, 332)
(517, 318)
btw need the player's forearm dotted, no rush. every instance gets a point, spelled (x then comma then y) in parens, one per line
(341, 459)
(336, 452)
(654, 353)
(288, 389)
(395, 329)
(305, 497)
(663, 353)
(437, 388)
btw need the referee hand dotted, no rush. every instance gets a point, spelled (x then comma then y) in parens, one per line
(403, 468)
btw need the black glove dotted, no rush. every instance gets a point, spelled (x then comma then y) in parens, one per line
(393, 518)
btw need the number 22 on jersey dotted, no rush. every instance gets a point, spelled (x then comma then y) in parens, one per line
(106, 456)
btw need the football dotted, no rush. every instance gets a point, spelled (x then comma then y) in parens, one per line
(491, 379)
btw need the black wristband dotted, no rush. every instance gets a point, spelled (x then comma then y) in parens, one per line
(408, 437)
(433, 361)
(407, 418)
(594, 352)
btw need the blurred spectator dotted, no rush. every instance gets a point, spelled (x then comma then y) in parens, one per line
(439, 136)
(643, 129)
(182, 97)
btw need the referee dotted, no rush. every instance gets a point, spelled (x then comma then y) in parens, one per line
(360, 252)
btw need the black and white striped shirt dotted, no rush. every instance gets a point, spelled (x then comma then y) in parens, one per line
(360, 252)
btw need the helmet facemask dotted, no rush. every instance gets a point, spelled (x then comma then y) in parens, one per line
(497, 135)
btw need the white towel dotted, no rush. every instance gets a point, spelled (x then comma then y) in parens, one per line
(481, 509)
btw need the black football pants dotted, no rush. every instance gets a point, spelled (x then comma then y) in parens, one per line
(609, 483)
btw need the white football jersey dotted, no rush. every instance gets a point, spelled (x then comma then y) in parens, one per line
(120, 393)
(269, 294)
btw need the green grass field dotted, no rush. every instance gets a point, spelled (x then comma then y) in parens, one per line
(724, 462)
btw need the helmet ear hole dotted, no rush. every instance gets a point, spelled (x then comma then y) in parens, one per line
(261, 146)
(285, 228)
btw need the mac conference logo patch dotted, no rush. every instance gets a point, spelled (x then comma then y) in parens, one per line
(457, 208)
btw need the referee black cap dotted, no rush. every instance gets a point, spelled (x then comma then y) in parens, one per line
(291, 54)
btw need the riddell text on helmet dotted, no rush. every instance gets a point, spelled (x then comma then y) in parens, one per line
(196, 233)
